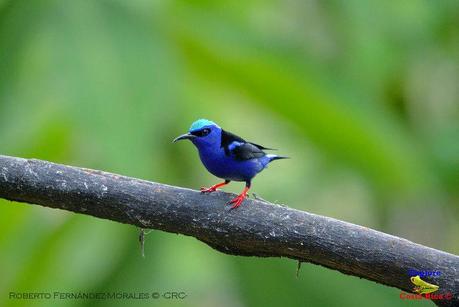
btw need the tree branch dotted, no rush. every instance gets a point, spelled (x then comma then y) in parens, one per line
(256, 228)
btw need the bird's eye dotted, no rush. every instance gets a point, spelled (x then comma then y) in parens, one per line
(201, 133)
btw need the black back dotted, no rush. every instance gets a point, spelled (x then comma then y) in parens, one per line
(245, 151)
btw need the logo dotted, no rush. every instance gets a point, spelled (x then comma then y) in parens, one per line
(421, 286)
(422, 289)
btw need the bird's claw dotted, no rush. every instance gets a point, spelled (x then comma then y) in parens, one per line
(214, 187)
(208, 190)
(237, 201)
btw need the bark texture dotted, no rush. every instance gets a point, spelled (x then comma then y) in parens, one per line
(257, 228)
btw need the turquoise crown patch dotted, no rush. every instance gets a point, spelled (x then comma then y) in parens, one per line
(200, 123)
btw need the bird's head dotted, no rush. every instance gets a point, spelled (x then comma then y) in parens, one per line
(202, 133)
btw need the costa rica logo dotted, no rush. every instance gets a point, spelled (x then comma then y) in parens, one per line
(422, 289)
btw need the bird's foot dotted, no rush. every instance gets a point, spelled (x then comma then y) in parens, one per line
(214, 187)
(239, 199)
(208, 190)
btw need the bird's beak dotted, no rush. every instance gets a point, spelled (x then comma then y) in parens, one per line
(186, 136)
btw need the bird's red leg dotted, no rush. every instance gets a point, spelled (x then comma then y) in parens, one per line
(214, 187)
(240, 198)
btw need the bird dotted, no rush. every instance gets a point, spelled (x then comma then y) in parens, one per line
(227, 156)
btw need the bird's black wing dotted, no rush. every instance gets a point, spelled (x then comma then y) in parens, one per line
(246, 151)
(228, 138)
(242, 150)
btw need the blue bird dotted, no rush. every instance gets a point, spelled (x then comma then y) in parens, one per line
(227, 156)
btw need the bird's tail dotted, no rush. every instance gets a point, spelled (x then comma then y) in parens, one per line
(276, 157)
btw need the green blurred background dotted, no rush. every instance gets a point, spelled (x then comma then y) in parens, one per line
(363, 95)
